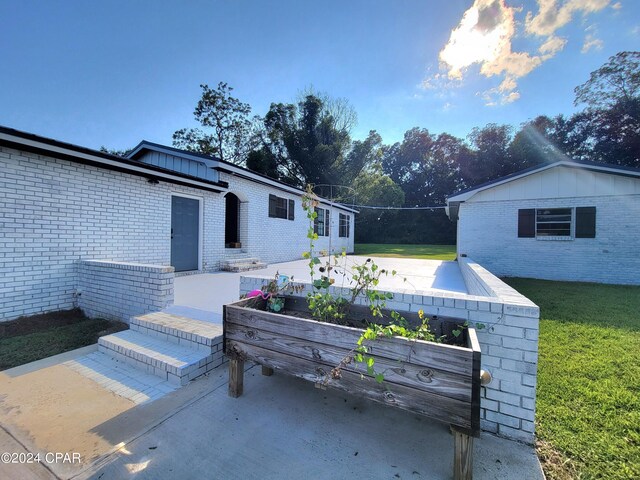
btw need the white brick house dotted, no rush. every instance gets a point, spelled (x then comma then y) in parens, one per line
(572, 221)
(61, 204)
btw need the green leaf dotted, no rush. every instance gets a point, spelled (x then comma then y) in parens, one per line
(456, 333)
(379, 378)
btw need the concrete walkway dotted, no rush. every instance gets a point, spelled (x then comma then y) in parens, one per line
(281, 428)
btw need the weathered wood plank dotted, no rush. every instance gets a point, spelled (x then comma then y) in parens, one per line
(462, 455)
(236, 377)
(439, 408)
(440, 382)
(440, 356)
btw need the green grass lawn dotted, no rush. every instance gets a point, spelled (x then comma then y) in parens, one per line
(588, 405)
(50, 340)
(430, 252)
(588, 394)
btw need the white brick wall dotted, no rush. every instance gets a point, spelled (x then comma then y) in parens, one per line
(55, 212)
(488, 233)
(509, 343)
(278, 239)
(120, 291)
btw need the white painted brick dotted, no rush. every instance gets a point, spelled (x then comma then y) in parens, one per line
(518, 412)
(503, 419)
(487, 232)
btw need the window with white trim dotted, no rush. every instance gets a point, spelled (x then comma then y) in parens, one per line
(281, 207)
(321, 223)
(553, 222)
(557, 223)
(345, 225)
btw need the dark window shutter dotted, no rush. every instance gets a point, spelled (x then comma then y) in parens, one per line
(326, 223)
(291, 210)
(526, 223)
(273, 202)
(585, 222)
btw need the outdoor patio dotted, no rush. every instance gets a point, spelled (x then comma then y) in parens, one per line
(202, 296)
(282, 427)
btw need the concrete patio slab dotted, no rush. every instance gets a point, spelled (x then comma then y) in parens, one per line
(195, 295)
(284, 428)
(53, 406)
(281, 427)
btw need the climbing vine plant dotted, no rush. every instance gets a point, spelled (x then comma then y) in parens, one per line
(363, 280)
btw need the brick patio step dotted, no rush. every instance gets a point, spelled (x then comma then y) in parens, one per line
(185, 331)
(171, 361)
(241, 264)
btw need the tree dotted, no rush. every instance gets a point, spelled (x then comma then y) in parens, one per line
(310, 142)
(616, 81)
(113, 151)
(535, 144)
(225, 119)
(610, 124)
(491, 157)
(374, 188)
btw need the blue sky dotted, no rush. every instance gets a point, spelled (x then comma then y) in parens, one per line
(115, 72)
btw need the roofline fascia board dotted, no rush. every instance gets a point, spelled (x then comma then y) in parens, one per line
(47, 149)
(277, 185)
(461, 197)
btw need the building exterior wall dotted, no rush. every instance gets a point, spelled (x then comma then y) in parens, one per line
(55, 213)
(278, 239)
(488, 228)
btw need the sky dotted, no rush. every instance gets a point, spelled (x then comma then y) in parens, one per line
(112, 73)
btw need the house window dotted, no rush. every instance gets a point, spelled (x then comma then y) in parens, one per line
(553, 222)
(557, 223)
(321, 223)
(344, 229)
(281, 207)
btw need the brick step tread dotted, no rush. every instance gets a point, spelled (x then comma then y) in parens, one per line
(244, 267)
(171, 357)
(246, 259)
(197, 331)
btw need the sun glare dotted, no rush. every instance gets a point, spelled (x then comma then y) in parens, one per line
(469, 44)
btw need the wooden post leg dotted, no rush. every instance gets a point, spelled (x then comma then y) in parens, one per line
(462, 455)
(236, 377)
(267, 371)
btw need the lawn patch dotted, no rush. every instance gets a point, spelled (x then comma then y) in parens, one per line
(429, 252)
(29, 339)
(588, 394)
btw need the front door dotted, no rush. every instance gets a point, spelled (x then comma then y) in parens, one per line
(231, 230)
(185, 231)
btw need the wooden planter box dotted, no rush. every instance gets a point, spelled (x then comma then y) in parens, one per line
(438, 381)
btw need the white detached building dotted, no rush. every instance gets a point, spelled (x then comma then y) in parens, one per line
(62, 206)
(569, 220)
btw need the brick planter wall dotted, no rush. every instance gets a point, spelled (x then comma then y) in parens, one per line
(119, 290)
(509, 342)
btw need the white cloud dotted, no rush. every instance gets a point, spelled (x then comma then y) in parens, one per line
(553, 15)
(484, 37)
(552, 45)
(617, 6)
(591, 42)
